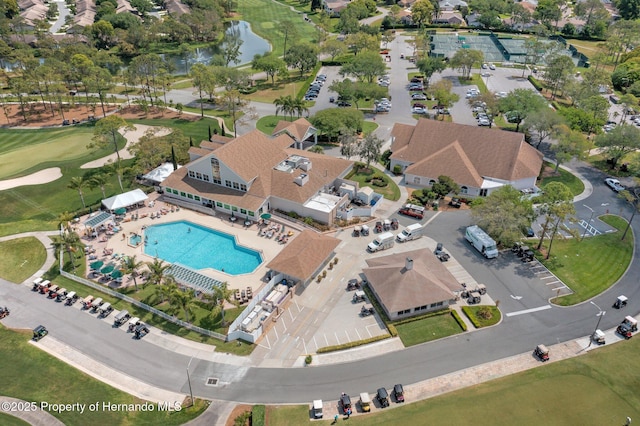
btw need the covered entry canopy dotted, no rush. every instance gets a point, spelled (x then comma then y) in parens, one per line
(124, 200)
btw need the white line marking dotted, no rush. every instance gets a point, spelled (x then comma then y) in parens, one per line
(434, 216)
(347, 334)
(359, 337)
(553, 282)
(528, 311)
(326, 340)
(291, 315)
(315, 343)
(547, 278)
(305, 347)
(558, 288)
(336, 334)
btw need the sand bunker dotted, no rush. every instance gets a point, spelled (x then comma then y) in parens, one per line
(37, 178)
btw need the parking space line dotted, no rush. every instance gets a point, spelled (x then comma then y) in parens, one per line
(277, 337)
(315, 342)
(326, 340)
(559, 288)
(359, 337)
(336, 334)
(298, 306)
(305, 347)
(547, 278)
(553, 282)
(291, 315)
(347, 334)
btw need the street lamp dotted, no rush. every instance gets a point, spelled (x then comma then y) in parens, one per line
(588, 223)
(189, 381)
(600, 315)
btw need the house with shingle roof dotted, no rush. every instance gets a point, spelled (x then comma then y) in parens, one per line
(305, 256)
(254, 173)
(480, 160)
(411, 283)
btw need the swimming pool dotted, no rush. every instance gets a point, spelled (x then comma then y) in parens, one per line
(135, 240)
(199, 247)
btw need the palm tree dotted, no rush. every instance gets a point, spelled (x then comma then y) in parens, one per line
(69, 242)
(298, 106)
(64, 220)
(78, 182)
(157, 270)
(98, 180)
(185, 299)
(167, 290)
(283, 104)
(131, 266)
(221, 294)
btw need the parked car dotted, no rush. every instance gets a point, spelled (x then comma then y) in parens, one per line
(418, 104)
(419, 97)
(484, 122)
(614, 184)
(485, 66)
(321, 77)
(418, 110)
(492, 67)
(344, 104)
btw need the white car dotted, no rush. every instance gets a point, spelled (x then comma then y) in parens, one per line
(502, 94)
(418, 110)
(485, 66)
(492, 67)
(484, 122)
(419, 97)
(614, 184)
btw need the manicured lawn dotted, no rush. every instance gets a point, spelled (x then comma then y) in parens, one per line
(268, 123)
(43, 148)
(266, 16)
(288, 86)
(33, 375)
(592, 265)
(475, 79)
(390, 192)
(7, 420)
(472, 312)
(573, 183)
(368, 127)
(198, 129)
(21, 258)
(427, 329)
(587, 390)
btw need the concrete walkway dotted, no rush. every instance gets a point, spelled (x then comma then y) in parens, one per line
(37, 417)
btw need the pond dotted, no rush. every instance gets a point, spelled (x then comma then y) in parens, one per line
(252, 44)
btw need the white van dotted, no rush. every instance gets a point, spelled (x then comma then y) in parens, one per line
(382, 242)
(411, 232)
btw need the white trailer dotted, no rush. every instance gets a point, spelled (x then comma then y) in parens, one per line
(411, 232)
(481, 241)
(382, 242)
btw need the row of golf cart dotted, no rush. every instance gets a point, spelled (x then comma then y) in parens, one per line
(627, 327)
(523, 252)
(473, 296)
(136, 327)
(386, 225)
(54, 292)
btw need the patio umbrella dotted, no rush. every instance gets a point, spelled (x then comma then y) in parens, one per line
(108, 269)
(116, 274)
(96, 265)
(121, 210)
(266, 216)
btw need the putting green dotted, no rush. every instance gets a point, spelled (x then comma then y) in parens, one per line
(53, 147)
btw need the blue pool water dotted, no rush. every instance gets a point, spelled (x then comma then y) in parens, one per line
(198, 247)
(135, 240)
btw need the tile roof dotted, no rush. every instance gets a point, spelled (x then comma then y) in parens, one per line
(427, 282)
(296, 129)
(253, 157)
(304, 255)
(467, 152)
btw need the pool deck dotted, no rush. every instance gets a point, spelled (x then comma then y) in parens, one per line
(248, 237)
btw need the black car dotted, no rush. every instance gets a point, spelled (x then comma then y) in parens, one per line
(344, 104)
(383, 397)
(398, 392)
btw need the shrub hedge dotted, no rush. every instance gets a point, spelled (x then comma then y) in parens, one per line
(535, 83)
(258, 415)
(459, 320)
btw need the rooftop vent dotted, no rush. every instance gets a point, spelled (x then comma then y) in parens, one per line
(302, 179)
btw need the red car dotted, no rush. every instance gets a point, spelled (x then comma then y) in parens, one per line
(413, 211)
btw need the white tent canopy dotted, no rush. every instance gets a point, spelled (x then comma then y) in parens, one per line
(124, 200)
(160, 173)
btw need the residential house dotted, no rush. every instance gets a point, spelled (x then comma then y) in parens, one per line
(406, 3)
(478, 159)
(411, 283)
(85, 13)
(334, 7)
(449, 17)
(255, 173)
(176, 8)
(301, 131)
(449, 5)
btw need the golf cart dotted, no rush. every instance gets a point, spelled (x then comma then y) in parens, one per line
(86, 302)
(624, 330)
(527, 256)
(4, 312)
(353, 284)
(358, 296)
(133, 323)
(367, 310)
(72, 297)
(383, 397)
(473, 300)
(357, 230)
(317, 408)
(365, 402)
(345, 403)
(61, 295)
(96, 304)
(398, 391)
(121, 318)
(39, 332)
(542, 353)
(598, 337)
(365, 231)
(141, 331)
(621, 302)
(631, 322)
(105, 310)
